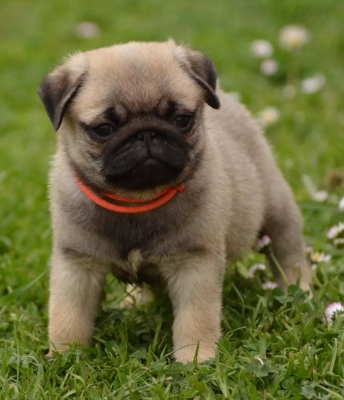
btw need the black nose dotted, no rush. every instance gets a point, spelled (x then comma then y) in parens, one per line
(146, 135)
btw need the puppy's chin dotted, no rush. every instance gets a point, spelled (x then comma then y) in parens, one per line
(146, 175)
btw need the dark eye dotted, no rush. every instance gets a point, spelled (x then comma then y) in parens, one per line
(103, 131)
(183, 122)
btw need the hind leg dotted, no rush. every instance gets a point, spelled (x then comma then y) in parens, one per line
(283, 224)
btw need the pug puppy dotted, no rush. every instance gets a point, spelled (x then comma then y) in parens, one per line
(158, 178)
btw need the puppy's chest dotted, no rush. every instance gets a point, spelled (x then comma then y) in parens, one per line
(137, 249)
(131, 234)
(139, 267)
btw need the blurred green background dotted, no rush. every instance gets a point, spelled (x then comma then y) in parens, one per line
(307, 138)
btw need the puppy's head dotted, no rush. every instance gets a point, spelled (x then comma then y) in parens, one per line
(130, 116)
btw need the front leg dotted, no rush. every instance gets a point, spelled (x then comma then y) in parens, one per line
(75, 292)
(195, 289)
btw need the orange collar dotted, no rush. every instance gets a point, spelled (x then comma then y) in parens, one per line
(139, 206)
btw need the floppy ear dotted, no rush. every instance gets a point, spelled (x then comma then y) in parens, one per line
(202, 71)
(59, 87)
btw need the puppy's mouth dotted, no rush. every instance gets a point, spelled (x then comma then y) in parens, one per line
(146, 160)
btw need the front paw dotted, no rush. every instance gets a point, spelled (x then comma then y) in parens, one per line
(191, 353)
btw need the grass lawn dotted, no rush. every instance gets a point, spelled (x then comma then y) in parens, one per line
(274, 346)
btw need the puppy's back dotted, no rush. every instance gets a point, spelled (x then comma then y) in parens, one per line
(236, 127)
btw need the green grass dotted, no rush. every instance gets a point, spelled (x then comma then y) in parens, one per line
(274, 346)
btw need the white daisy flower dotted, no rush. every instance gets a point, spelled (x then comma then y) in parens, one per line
(309, 250)
(293, 37)
(258, 359)
(320, 257)
(262, 243)
(268, 117)
(269, 67)
(317, 195)
(269, 285)
(341, 204)
(313, 84)
(86, 30)
(339, 242)
(320, 196)
(332, 310)
(261, 48)
(335, 231)
(254, 268)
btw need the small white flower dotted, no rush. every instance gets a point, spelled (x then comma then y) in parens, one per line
(339, 242)
(313, 84)
(314, 267)
(269, 285)
(235, 96)
(341, 204)
(317, 195)
(320, 196)
(261, 48)
(269, 67)
(268, 117)
(262, 243)
(86, 30)
(259, 359)
(335, 231)
(320, 257)
(293, 37)
(254, 268)
(309, 250)
(332, 310)
(289, 91)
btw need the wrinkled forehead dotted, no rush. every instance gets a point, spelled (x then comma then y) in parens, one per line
(134, 79)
